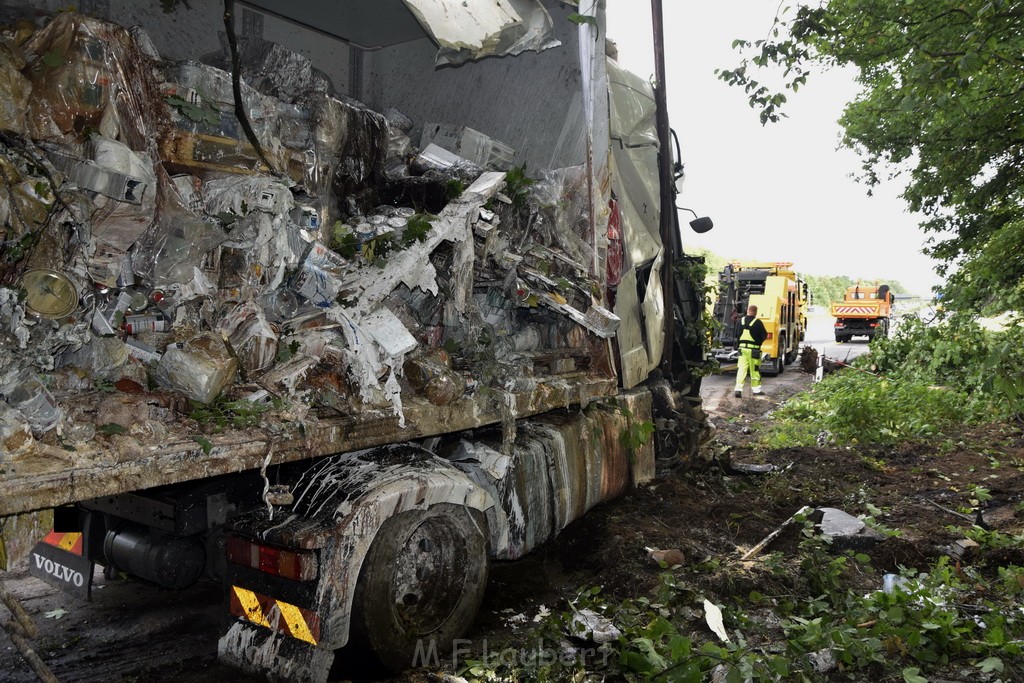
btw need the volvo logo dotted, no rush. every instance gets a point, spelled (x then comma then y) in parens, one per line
(59, 571)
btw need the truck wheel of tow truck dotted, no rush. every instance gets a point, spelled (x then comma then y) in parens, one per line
(792, 355)
(422, 580)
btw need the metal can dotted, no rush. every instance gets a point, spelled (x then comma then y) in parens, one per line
(135, 324)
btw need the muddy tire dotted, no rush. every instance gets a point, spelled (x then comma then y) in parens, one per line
(422, 581)
(793, 355)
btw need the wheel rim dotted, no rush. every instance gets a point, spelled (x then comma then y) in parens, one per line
(430, 572)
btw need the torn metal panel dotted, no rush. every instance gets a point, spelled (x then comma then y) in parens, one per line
(635, 156)
(467, 31)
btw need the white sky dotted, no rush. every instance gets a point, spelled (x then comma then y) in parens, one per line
(780, 192)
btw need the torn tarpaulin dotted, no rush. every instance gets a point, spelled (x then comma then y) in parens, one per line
(467, 31)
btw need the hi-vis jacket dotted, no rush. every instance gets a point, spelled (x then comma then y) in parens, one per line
(750, 332)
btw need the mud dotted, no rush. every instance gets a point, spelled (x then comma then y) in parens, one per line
(135, 632)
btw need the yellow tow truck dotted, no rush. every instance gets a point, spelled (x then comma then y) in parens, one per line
(781, 297)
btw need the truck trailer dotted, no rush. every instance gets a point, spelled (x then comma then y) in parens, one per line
(333, 303)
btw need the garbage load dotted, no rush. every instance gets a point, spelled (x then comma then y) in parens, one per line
(155, 262)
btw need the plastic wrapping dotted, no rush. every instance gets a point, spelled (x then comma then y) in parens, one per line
(15, 89)
(89, 75)
(176, 244)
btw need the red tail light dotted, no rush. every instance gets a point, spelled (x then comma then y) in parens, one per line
(298, 566)
(874, 324)
(768, 337)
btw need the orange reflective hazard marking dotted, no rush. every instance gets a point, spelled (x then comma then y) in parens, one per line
(71, 542)
(277, 615)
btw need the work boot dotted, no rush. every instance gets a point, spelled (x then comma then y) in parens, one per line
(757, 391)
(738, 394)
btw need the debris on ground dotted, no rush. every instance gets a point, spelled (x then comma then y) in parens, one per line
(845, 531)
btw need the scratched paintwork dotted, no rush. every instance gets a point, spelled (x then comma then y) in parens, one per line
(562, 464)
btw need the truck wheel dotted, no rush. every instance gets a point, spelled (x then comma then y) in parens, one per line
(422, 581)
(792, 355)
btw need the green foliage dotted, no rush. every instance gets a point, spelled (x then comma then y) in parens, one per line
(53, 59)
(927, 624)
(344, 241)
(223, 413)
(856, 408)
(205, 444)
(579, 19)
(957, 352)
(453, 188)
(418, 227)
(517, 186)
(828, 288)
(700, 330)
(932, 376)
(200, 113)
(941, 103)
(111, 428)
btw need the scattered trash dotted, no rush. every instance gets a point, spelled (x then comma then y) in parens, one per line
(823, 661)
(845, 531)
(149, 250)
(751, 468)
(58, 613)
(713, 617)
(588, 625)
(964, 549)
(890, 582)
(672, 557)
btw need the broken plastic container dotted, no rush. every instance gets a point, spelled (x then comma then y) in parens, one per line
(201, 368)
(28, 395)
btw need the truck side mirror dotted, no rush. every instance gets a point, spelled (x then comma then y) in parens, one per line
(701, 225)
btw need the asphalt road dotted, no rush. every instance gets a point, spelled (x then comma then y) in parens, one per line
(820, 335)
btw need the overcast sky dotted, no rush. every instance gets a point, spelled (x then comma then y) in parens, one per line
(780, 192)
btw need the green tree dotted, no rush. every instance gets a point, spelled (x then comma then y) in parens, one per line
(942, 104)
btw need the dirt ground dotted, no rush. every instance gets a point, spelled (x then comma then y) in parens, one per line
(134, 633)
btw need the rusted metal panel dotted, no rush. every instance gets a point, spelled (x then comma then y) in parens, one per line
(129, 465)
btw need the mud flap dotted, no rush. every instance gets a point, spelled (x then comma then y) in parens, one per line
(58, 560)
(262, 652)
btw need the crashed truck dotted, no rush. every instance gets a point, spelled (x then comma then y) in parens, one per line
(334, 303)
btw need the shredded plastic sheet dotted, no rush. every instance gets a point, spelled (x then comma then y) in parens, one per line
(89, 75)
(15, 89)
(469, 31)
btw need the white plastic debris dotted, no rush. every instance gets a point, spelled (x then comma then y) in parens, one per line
(589, 625)
(713, 617)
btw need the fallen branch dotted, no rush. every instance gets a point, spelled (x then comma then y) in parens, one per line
(953, 512)
(771, 537)
(20, 630)
(18, 612)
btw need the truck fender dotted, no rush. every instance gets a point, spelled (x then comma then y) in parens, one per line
(352, 496)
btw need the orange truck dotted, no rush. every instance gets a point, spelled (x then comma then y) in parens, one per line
(864, 312)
